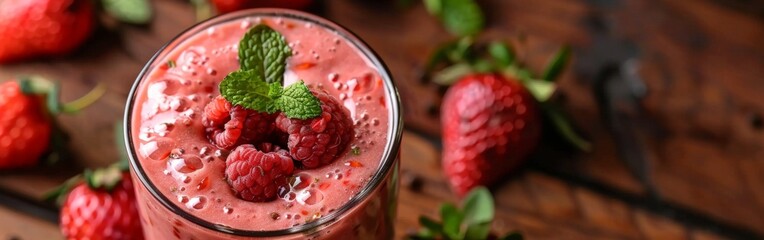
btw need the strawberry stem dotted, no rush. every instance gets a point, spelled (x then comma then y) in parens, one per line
(565, 128)
(84, 101)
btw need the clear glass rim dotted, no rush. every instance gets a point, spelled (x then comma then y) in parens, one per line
(389, 156)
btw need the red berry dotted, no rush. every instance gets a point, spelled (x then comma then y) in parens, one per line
(100, 214)
(318, 141)
(43, 27)
(490, 124)
(25, 127)
(257, 174)
(228, 126)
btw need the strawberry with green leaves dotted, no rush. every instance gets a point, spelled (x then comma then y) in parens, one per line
(472, 221)
(27, 127)
(99, 204)
(492, 113)
(491, 116)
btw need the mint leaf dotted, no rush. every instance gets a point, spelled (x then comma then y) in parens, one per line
(478, 213)
(431, 227)
(452, 220)
(247, 88)
(478, 207)
(298, 102)
(264, 51)
(129, 11)
(462, 17)
(478, 231)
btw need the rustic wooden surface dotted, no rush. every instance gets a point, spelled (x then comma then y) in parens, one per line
(701, 60)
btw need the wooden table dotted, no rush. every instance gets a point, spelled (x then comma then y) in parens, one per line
(702, 62)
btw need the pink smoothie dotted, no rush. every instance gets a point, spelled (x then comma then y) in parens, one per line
(172, 148)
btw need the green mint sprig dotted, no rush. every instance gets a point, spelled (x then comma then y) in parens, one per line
(258, 85)
(472, 222)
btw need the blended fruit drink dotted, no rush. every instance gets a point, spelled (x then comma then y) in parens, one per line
(265, 123)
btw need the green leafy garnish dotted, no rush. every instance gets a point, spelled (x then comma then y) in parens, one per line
(472, 222)
(265, 51)
(298, 102)
(258, 85)
(248, 89)
(460, 17)
(129, 11)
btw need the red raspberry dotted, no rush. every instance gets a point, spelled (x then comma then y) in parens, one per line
(228, 126)
(318, 141)
(257, 175)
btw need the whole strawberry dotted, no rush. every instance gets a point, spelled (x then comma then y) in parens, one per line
(490, 124)
(103, 207)
(492, 114)
(24, 127)
(26, 122)
(31, 28)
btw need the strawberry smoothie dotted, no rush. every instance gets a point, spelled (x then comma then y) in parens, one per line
(179, 174)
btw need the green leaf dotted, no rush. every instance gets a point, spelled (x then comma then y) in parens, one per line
(501, 53)
(478, 207)
(513, 236)
(483, 66)
(478, 231)
(557, 64)
(541, 90)
(440, 55)
(59, 193)
(129, 11)
(430, 224)
(451, 74)
(104, 178)
(462, 17)
(434, 7)
(247, 88)
(264, 51)
(563, 126)
(452, 220)
(298, 102)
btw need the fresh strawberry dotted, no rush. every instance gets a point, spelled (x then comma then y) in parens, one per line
(491, 120)
(31, 28)
(102, 207)
(490, 124)
(26, 125)
(226, 6)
